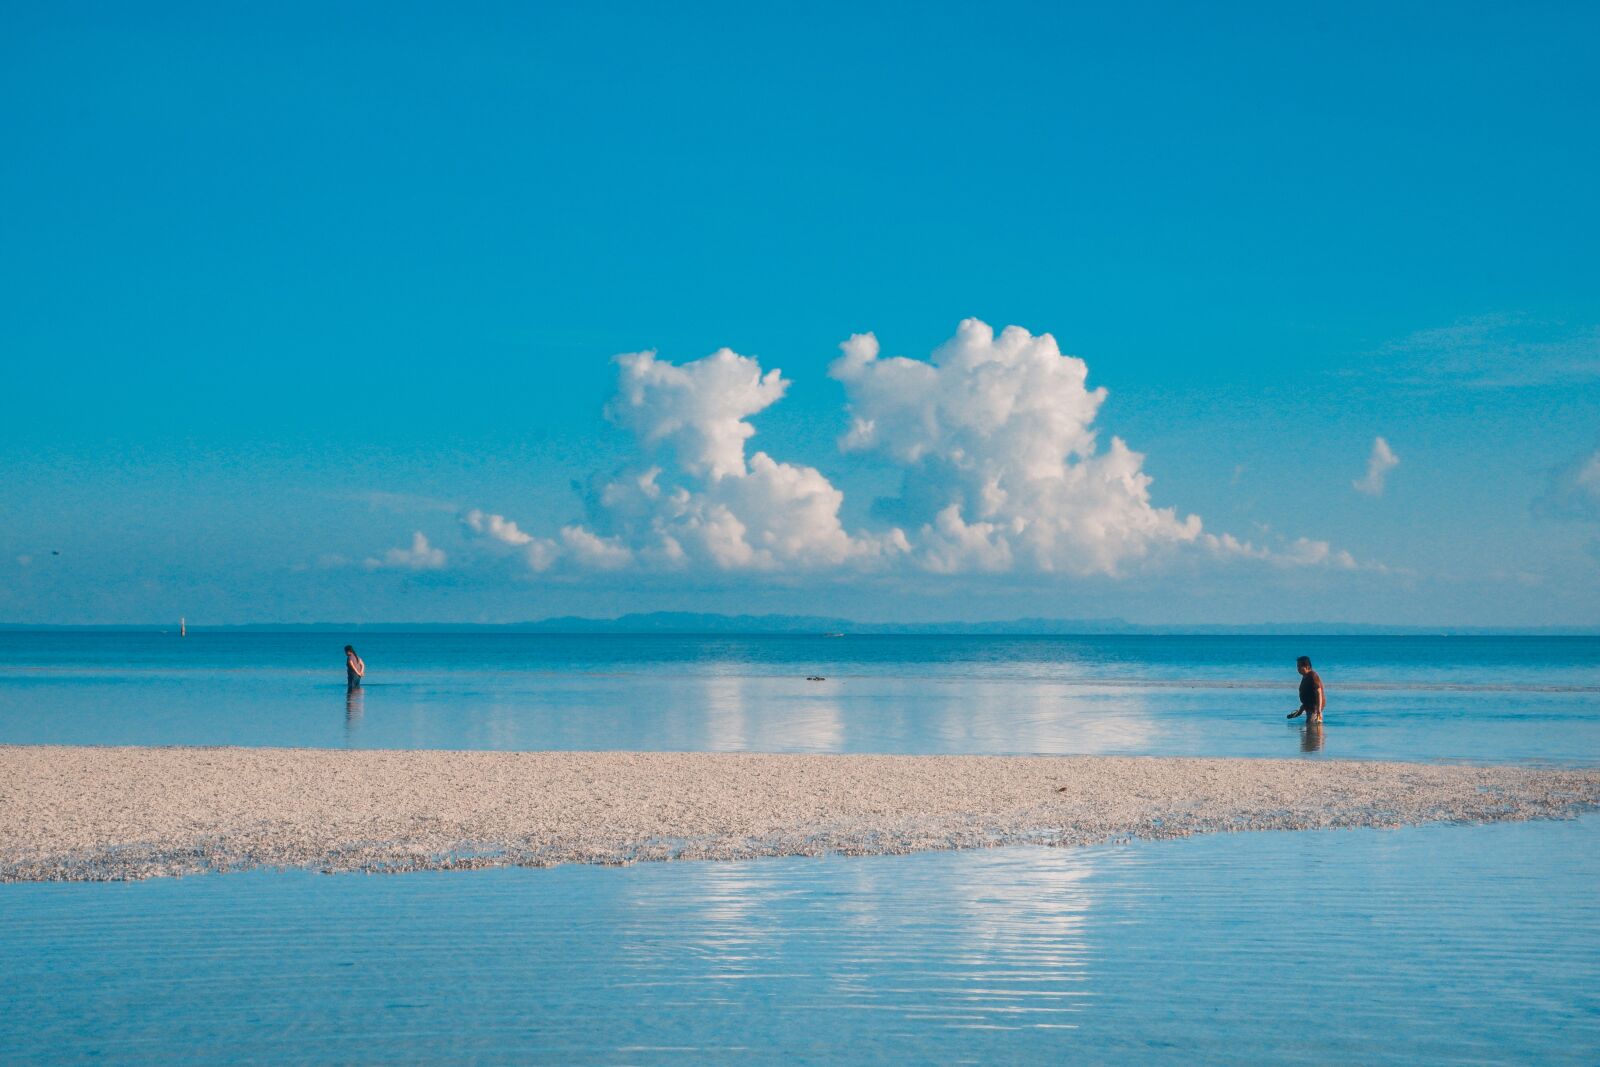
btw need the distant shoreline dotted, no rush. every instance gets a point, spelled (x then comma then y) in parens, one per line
(88, 813)
(686, 624)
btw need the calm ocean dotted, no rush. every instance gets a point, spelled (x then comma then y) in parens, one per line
(1431, 944)
(1472, 698)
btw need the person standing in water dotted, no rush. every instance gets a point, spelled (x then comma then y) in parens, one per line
(1312, 698)
(354, 669)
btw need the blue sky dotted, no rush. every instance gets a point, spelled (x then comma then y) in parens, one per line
(281, 289)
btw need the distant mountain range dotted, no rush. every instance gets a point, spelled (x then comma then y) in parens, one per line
(683, 622)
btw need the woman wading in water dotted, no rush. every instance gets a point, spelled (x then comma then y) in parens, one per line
(353, 668)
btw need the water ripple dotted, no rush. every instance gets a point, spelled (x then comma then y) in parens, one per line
(1435, 944)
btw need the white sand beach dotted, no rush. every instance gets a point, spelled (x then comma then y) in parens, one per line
(93, 813)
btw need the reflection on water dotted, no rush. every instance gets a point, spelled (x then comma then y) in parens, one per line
(752, 713)
(788, 715)
(1391, 698)
(1311, 738)
(724, 703)
(1434, 944)
(353, 707)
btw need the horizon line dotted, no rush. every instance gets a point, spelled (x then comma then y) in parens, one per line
(797, 625)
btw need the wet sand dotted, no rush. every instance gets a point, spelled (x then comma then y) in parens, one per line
(91, 813)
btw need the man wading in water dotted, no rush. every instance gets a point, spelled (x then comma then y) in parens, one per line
(353, 668)
(1312, 698)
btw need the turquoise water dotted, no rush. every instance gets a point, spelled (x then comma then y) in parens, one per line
(1428, 945)
(1441, 944)
(1487, 699)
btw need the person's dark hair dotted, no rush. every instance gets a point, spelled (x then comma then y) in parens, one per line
(1303, 661)
(352, 648)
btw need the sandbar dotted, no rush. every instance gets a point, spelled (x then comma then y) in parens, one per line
(116, 813)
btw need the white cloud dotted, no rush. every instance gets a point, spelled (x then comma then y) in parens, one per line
(540, 553)
(1496, 352)
(497, 527)
(1581, 486)
(1379, 464)
(402, 503)
(698, 408)
(773, 516)
(994, 436)
(718, 508)
(589, 550)
(421, 556)
(1573, 491)
(1301, 552)
(1305, 552)
(998, 440)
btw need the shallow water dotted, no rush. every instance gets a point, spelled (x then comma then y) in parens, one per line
(1482, 699)
(1433, 944)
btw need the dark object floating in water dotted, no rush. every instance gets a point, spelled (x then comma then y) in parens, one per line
(815, 678)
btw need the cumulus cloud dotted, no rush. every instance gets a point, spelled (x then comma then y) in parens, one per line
(994, 437)
(495, 527)
(1380, 462)
(699, 408)
(997, 438)
(590, 550)
(538, 552)
(1300, 552)
(710, 504)
(421, 556)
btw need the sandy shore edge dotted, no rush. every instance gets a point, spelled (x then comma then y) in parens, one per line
(93, 813)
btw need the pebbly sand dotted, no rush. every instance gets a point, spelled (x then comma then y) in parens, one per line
(89, 813)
